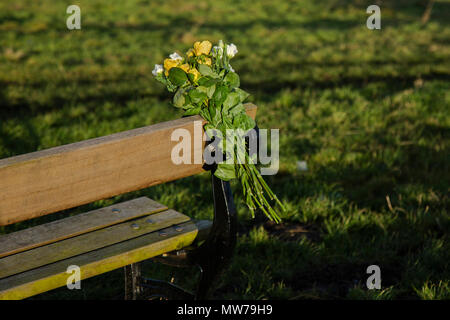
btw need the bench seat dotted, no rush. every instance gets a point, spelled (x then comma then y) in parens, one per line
(36, 259)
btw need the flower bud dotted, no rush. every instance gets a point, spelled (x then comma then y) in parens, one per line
(231, 50)
(175, 56)
(158, 69)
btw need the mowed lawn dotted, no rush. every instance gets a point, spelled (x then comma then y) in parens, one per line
(367, 110)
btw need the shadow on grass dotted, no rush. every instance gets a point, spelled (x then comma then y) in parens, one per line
(368, 183)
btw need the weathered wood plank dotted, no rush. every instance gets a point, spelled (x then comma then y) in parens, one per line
(96, 262)
(87, 242)
(72, 226)
(59, 178)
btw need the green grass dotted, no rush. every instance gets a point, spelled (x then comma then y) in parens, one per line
(368, 111)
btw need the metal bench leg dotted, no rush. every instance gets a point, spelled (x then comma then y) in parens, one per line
(215, 253)
(138, 287)
(132, 281)
(212, 256)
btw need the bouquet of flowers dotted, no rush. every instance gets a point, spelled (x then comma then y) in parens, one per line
(204, 83)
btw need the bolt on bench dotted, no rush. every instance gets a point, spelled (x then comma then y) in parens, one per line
(35, 260)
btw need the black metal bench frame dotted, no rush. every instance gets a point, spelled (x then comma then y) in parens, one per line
(210, 257)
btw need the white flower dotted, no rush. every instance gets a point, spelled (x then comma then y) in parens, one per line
(158, 69)
(231, 50)
(231, 68)
(217, 52)
(175, 56)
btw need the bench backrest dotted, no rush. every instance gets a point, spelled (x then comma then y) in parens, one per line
(67, 176)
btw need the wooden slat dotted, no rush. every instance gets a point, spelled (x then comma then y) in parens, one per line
(99, 261)
(59, 178)
(61, 250)
(72, 226)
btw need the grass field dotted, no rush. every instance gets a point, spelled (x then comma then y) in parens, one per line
(367, 110)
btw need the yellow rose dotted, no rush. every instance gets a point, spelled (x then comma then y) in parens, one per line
(169, 64)
(207, 61)
(203, 47)
(184, 67)
(190, 52)
(195, 73)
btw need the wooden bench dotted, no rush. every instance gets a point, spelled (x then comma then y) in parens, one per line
(36, 259)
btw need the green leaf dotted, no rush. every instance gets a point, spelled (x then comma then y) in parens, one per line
(192, 111)
(191, 77)
(179, 98)
(177, 76)
(225, 171)
(207, 71)
(206, 81)
(227, 123)
(236, 110)
(161, 78)
(212, 130)
(215, 115)
(222, 128)
(205, 114)
(244, 122)
(187, 99)
(166, 82)
(242, 94)
(188, 106)
(197, 96)
(209, 91)
(220, 95)
(232, 79)
(231, 100)
(201, 89)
